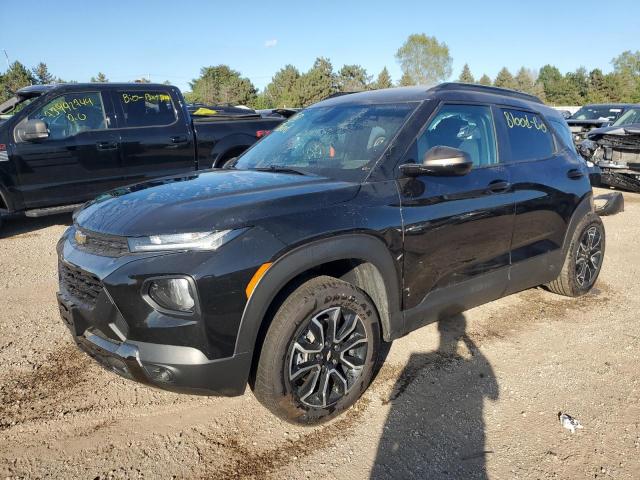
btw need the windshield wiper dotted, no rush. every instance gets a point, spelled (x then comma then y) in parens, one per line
(281, 169)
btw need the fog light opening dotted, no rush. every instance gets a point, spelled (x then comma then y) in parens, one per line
(173, 294)
(160, 374)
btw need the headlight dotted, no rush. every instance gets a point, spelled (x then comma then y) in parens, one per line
(173, 294)
(183, 241)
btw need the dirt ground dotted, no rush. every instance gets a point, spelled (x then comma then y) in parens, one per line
(474, 397)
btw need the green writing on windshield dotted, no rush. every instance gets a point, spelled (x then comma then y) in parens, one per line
(69, 107)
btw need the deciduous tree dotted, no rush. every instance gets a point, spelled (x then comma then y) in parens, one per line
(221, 84)
(424, 60)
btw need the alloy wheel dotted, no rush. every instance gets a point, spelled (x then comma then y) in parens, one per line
(589, 257)
(327, 357)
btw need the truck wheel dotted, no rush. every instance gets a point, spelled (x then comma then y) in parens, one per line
(584, 259)
(320, 352)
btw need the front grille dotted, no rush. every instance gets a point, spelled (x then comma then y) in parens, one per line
(102, 244)
(81, 286)
(623, 142)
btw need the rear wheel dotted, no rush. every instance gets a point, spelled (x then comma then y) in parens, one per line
(320, 352)
(584, 259)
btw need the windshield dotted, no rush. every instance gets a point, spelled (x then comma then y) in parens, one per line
(14, 105)
(342, 141)
(630, 116)
(597, 112)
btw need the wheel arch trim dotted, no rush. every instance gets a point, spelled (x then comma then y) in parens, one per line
(584, 207)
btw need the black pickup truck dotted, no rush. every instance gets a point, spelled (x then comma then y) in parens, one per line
(61, 145)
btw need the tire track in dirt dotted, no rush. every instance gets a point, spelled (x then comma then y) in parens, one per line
(37, 395)
(244, 462)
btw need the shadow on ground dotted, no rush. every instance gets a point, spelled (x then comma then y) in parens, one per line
(437, 429)
(18, 225)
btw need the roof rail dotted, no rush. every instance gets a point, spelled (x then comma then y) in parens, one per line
(482, 88)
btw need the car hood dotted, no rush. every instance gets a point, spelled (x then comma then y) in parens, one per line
(211, 200)
(622, 130)
(586, 123)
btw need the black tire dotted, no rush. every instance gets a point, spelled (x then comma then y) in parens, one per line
(580, 271)
(316, 302)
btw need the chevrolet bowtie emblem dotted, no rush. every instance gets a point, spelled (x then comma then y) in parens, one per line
(80, 237)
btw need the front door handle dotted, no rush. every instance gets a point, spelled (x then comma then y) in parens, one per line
(178, 139)
(574, 174)
(499, 186)
(107, 146)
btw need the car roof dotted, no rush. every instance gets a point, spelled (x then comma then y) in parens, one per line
(34, 90)
(611, 105)
(450, 91)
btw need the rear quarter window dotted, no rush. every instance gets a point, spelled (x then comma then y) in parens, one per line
(528, 136)
(146, 108)
(562, 129)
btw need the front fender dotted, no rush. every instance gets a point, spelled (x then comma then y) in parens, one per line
(363, 247)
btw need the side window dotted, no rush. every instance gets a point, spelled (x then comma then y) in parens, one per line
(562, 129)
(147, 108)
(72, 113)
(528, 136)
(466, 127)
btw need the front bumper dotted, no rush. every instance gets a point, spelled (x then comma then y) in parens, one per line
(170, 367)
(101, 300)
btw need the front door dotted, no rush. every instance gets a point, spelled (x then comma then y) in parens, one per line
(457, 229)
(78, 160)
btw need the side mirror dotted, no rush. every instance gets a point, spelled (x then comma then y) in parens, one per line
(33, 130)
(440, 161)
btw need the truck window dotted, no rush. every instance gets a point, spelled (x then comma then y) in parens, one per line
(528, 136)
(147, 109)
(72, 113)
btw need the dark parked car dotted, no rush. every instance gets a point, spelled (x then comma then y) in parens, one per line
(67, 143)
(616, 151)
(594, 116)
(360, 219)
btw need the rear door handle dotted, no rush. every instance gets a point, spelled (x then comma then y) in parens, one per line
(107, 146)
(574, 174)
(178, 139)
(499, 186)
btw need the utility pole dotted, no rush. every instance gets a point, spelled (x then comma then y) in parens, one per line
(7, 57)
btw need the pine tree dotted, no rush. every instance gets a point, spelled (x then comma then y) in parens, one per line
(504, 79)
(352, 78)
(406, 80)
(282, 91)
(383, 80)
(42, 75)
(16, 77)
(466, 76)
(100, 78)
(485, 80)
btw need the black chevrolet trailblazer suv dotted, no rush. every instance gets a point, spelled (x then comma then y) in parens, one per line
(356, 221)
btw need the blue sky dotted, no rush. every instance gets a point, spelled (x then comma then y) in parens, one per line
(172, 40)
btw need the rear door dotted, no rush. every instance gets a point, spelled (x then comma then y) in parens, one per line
(157, 139)
(78, 160)
(457, 229)
(549, 180)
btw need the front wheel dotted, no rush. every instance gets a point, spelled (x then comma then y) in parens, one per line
(320, 352)
(584, 258)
